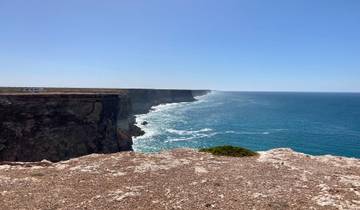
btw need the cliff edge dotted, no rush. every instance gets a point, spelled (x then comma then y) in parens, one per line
(183, 179)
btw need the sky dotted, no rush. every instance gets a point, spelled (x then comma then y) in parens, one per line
(245, 45)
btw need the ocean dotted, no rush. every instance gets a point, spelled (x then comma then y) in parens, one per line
(312, 123)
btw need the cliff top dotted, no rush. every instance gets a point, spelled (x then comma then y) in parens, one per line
(55, 91)
(68, 91)
(183, 179)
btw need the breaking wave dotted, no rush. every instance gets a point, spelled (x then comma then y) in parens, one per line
(188, 132)
(247, 133)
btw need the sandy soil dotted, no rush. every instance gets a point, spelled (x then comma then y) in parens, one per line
(183, 179)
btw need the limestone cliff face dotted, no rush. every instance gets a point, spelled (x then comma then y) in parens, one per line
(61, 126)
(57, 127)
(143, 99)
(200, 92)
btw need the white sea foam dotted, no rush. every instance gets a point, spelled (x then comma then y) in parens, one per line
(150, 129)
(149, 132)
(247, 133)
(180, 139)
(195, 136)
(187, 132)
(204, 97)
(172, 106)
(190, 134)
(163, 119)
(280, 129)
(168, 106)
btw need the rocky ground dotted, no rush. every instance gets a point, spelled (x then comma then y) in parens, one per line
(183, 179)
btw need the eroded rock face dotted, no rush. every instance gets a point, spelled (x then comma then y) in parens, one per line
(57, 127)
(184, 179)
(143, 99)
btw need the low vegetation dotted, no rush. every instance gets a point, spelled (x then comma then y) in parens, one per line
(229, 151)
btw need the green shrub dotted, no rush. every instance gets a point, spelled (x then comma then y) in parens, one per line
(229, 151)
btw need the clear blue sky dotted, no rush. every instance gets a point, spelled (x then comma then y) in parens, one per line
(291, 45)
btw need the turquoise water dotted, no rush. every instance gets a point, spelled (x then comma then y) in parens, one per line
(313, 123)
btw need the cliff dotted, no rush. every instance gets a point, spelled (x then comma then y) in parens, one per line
(57, 127)
(142, 99)
(183, 179)
(58, 124)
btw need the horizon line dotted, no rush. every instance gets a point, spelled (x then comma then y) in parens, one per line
(219, 90)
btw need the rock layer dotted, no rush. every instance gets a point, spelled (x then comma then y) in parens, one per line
(58, 124)
(57, 127)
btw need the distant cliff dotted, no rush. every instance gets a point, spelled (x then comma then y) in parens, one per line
(143, 99)
(59, 124)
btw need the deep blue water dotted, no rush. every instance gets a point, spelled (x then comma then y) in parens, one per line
(312, 123)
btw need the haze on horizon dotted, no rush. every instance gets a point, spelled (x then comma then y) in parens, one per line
(257, 45)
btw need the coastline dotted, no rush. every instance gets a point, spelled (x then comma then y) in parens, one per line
(141, 118)
(62, 123)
